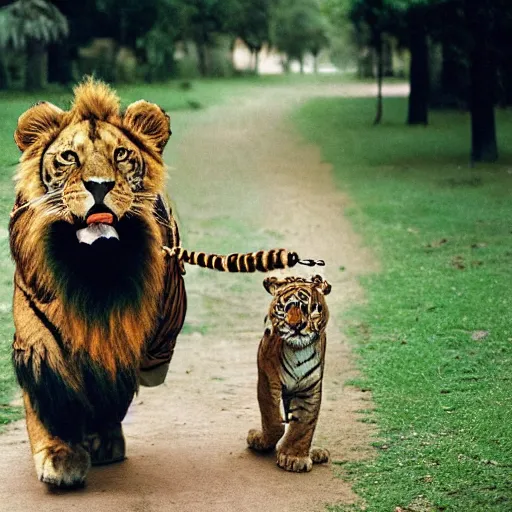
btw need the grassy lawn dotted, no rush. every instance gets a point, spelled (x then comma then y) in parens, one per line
(435, 338)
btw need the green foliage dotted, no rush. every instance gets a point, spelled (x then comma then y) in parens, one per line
(434, 339)
(251, 22)
(31, 20)
(298, 27)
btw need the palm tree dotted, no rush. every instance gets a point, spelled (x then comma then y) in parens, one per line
(30, 26)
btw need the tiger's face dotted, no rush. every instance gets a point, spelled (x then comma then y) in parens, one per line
(298, 312)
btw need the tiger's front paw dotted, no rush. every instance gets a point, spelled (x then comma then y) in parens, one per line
(294, 463)
(62, 465)
(257, 441)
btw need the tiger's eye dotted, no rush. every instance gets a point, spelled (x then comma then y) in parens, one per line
(120, 154)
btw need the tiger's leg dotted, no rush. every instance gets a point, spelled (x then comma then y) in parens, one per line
(294, 452)
(269, 399)
(107, 445)
(57, 462)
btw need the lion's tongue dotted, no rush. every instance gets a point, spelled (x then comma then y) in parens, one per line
(100, 218)
(95, 231)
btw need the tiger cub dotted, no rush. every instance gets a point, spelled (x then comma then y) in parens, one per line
(290, 368)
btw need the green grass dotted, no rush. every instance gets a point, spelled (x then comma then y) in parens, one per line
(443, 234)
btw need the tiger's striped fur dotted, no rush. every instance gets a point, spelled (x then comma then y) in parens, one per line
(290, 370)
(262, 261)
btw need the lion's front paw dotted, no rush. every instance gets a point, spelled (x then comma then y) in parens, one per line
(107, 446)
(294, 463)
(257, 441)
(62, 465)
(319, 455)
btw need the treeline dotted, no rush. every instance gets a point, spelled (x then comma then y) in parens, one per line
(460, 54)
(123, 39)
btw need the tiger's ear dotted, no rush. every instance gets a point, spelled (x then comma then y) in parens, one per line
(271, 284)
(321, 284)
(37, 122)
(150, 122)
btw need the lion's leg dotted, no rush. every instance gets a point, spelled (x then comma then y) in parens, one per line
(107, 445)
(294, 452)
(57, 463)
(269, 399)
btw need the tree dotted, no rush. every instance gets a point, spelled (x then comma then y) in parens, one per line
(481, 19)
(206, 19)
(406, 20)
(372, 17)
(30, 26)
(159, 43)
(251, 23)
(298, 27)
(419, 76)
(318, 39)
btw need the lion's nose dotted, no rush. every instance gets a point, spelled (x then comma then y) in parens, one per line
(99, 189)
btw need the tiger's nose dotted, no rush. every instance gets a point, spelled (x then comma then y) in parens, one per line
(99, 189)
(294, 316)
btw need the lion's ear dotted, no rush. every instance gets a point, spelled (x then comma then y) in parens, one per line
(36, 122)
(148, 121)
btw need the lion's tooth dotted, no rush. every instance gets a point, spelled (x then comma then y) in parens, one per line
(93, 232)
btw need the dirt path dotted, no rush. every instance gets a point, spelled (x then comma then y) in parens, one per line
(242, 180)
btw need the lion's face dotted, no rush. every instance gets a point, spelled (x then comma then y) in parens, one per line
(89, 180)
(92, 160)
(94, 166)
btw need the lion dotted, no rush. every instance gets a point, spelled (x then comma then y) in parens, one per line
(97, 308)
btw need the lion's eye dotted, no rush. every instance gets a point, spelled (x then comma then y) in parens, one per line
(120, 154)
(68, 157)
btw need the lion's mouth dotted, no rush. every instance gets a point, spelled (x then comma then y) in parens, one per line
(100, 224)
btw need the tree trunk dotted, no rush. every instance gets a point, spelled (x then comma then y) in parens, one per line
(315, 63)
(257, 61)
(285, 63)
(35, 70)
(387, 58)
(5, 78)
(483, 82)
(380, 74)
(60, 63)
(419, 74)
(201, 56)
(301, 64)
